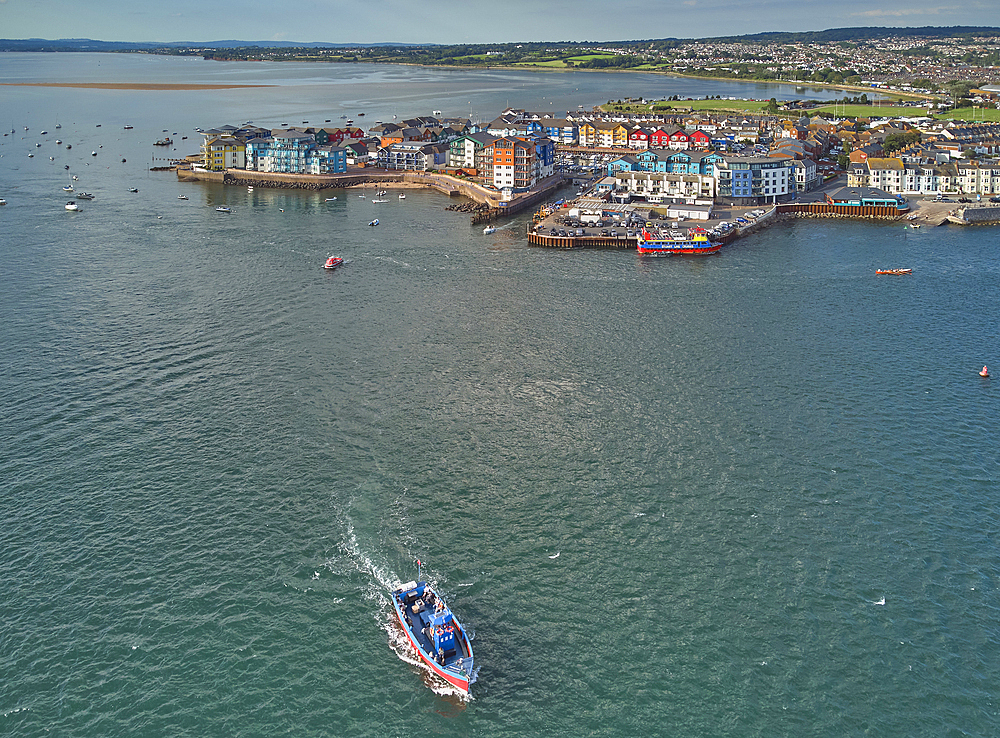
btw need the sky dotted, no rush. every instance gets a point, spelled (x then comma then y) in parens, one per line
(467, 21)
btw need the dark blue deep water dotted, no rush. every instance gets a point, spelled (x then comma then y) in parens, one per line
(771, 476)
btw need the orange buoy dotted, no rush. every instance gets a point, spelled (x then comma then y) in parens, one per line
(985, 372)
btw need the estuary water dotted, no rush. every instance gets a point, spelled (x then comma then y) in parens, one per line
(748, 495)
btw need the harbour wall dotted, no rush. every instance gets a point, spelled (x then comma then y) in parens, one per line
(850, 211)
(979, 215)
(447, 184)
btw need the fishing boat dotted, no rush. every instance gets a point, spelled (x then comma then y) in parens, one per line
(182, 197)
(893, 271)
(696, 243)
(133, 189)
(223, 209)
(72, 206)
(435, 633)
(489, 229)
(84, 196)
(333, 262)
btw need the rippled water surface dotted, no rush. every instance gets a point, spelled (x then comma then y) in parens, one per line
(770, 476)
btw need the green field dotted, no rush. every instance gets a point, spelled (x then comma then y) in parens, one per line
(989, 115)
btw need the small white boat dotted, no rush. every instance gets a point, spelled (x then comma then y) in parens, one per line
(402, 197)
(58, 141)
(75, 178)
(330, 199)
(379, 200)
(182, 197)
(72, 206)
(68, 188)
(489, 229)
(374, 222)
(2, 201)
(133, 189)
(93, 153)
(249, 189)
(223, 209)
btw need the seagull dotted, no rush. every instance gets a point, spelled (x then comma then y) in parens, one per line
(556, 555)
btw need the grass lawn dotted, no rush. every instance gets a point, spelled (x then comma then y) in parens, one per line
(990, 115)
(870, 111)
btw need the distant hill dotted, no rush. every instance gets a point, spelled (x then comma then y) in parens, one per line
(833, 35)
(86, 44)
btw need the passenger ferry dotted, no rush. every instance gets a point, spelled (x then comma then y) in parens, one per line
(696, 243)
(435, 633)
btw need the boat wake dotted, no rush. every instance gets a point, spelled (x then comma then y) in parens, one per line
(382, 581)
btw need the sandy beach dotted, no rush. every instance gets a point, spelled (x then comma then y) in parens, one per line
(130, 85)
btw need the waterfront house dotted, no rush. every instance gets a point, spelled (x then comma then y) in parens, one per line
(517, 163)
(625, 163)
(467, 152)
(638, 138)
(700, 140)
(415, 156)
(219, 153)
(754, 180)
(658, 187)
(283, 151)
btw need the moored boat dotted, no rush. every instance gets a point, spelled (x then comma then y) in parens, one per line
(374, 222)
(223, 209)
(489, 229)
(893, 271)
(72, 206)
(84, 196)
(694, 244)
(333, 262)
(435, 633)
(182, 197)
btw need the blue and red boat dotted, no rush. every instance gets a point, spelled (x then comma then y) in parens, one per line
(695, 243)
(435, 633)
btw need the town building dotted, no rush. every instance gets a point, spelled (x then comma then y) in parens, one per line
(755, 180)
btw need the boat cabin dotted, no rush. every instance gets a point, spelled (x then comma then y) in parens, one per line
(431, 617)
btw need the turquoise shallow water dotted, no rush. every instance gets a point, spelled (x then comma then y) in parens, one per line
(770, 476)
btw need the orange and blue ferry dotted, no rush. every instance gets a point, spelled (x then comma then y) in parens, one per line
(434, 631)
(696, 243)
